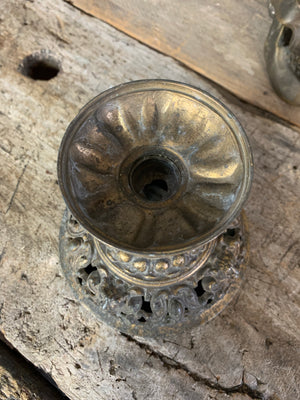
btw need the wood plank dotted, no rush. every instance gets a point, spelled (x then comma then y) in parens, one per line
(250, 350)
(221, 40)
(19, 380)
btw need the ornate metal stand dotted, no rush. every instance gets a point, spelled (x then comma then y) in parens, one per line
(154, 174)
(282, 49)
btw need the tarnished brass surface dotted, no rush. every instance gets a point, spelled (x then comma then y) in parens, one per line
(154, 174)
(173, 139)
(148, 301)
(282, 49)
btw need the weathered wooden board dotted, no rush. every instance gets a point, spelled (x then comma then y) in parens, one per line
(20, 381)
(222, 40)
(249, 351)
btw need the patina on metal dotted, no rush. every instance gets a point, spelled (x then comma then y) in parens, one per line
(282, 49)
(154, 174)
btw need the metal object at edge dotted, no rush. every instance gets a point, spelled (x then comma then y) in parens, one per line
(154, 174)
(282, 49)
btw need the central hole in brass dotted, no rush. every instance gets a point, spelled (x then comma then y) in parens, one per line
(156, 190)
(155, 179)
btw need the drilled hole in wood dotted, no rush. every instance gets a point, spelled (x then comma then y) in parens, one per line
(40, 66)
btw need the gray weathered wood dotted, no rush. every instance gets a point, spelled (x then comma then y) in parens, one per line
(20, 381)
(222, 40)
(250, 350)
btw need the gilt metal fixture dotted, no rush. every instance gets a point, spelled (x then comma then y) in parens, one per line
(154, 174)
(282, 49)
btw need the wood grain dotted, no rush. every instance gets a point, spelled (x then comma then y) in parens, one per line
(249, 351)
(221, 40)
(20, 381)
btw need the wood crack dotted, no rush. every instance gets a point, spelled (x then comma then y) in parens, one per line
(16, 189)
(23, 378)
(168, 362)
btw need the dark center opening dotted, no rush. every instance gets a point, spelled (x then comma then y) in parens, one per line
(43, 71)
(146, 306)
(155, 179)
(40, 67)
(286, 36)
(156, 190)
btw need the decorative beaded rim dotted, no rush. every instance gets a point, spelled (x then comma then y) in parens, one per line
(143, 311)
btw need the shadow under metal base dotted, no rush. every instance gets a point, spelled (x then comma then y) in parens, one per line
(162, 307)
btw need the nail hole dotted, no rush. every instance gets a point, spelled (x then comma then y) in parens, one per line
(40, 66)
(268, 342)
(112, 368)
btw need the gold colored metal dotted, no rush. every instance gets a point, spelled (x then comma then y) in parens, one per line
(154, 174)
(282, 49)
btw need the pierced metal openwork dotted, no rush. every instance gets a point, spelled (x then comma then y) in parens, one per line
(154, 175)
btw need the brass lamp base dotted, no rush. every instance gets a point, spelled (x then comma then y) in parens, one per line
(145, 307)
(154, 174)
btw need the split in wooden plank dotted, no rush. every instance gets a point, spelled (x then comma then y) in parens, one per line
(20, 380)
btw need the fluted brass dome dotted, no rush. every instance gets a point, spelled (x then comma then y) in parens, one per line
(154, 166)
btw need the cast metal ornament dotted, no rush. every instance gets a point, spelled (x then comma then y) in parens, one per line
(154, 174)
(282, 49)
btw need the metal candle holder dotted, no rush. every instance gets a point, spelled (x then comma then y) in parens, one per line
(154, 174)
